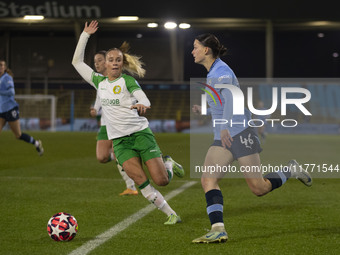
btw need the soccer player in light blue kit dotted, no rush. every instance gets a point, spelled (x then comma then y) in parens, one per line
(231, 142)
(9, 108)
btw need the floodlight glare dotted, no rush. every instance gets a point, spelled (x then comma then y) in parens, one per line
(33, 17)
(152, 25)
(184, 25)
(128, 18)
(170, 25)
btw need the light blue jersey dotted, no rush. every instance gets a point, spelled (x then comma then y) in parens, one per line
(221, 73)
(7, 93)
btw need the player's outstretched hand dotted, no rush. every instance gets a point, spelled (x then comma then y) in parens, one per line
(91, 28)
(140, 108)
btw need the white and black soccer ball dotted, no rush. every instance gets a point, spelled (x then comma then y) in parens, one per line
(62, 227)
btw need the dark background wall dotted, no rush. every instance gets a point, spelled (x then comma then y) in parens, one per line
(48, 50)
(264, 9)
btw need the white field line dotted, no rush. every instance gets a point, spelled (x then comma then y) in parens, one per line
(119, 227)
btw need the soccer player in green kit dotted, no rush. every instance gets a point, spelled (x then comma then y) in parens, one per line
(104, 151)
(123, 101)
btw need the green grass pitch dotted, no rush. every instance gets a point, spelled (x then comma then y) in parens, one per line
(292, 220)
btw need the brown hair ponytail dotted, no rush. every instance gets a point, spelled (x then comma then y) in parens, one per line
(211, 41)
(7, 70)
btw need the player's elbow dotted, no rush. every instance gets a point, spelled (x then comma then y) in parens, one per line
(77, 65)
(75, 61)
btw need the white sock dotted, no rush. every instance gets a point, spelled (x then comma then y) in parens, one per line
(219, 226)
(156, 198)
(130, 184)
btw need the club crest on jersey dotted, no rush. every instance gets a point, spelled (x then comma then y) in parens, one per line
(117, 89)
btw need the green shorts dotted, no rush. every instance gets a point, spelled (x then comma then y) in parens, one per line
(102, 134)
(141, 144)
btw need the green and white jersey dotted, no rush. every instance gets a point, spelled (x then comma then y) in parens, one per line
(116, 98)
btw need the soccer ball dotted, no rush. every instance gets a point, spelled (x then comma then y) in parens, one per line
(62, 227)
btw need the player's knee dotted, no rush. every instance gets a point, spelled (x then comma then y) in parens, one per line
(102, 159)
(162, 180)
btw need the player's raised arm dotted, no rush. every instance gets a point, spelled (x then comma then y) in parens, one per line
(78, 58)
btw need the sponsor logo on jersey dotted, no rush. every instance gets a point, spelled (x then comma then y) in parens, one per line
(110, 102)
(227, 76)
(117, 89)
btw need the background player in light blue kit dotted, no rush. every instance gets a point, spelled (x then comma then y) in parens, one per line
(231, 142)
(9, 108)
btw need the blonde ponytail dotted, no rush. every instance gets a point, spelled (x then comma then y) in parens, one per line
(132, 63)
